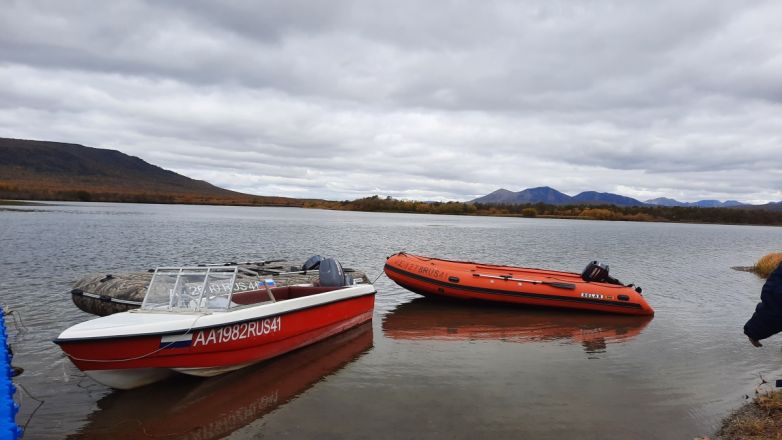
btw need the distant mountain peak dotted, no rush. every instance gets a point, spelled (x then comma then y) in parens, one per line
(664, 201)
(605, 198)
(708, 203)
(502, 191)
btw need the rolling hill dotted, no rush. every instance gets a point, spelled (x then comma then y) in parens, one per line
(40, 170)
(542, 194)
(598, 198)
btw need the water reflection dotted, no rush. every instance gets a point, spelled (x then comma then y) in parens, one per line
(193, 408)
(425, 318)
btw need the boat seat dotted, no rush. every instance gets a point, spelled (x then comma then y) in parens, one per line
(280, 294)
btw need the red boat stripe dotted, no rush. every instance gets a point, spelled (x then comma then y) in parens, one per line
(627, 305)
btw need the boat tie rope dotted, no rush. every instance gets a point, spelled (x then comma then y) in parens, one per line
(378, 277)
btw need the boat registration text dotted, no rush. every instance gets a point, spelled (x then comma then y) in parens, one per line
(238, 331)
(592, 295)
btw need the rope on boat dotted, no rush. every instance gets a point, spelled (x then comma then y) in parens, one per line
(378, 277)
(143, 355)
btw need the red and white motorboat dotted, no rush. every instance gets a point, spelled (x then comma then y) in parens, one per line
(193, 322)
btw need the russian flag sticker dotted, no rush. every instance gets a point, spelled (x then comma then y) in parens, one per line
(176, 341)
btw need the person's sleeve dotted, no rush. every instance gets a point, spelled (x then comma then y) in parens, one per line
(767, 319)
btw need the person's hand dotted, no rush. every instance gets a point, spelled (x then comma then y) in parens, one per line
(755, 342)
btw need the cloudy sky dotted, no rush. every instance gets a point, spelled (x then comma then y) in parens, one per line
(427, 100)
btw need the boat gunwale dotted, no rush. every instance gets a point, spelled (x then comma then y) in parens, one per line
(491, 266)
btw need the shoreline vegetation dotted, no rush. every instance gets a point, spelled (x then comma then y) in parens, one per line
(679, 214)
(11, 194)
(674, 214)
(760, 419)
(764, 266)
(767, 263)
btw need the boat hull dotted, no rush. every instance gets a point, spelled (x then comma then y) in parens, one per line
(128, 361)
(507, 284)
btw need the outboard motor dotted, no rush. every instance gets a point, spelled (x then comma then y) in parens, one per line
(595, 271)
(332, 275)
(598, 272)
(312, 263)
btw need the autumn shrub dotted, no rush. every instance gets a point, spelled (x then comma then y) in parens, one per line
(767, 264)
(599, 214)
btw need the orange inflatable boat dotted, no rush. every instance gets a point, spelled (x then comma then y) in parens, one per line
(592, 290)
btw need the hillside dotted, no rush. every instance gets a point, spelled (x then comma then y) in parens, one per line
(542, 194)
(773, 206)
(39, 170)
(598, 198)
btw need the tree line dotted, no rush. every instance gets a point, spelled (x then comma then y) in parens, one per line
(375, 203)
(684, 214)
(109, 194)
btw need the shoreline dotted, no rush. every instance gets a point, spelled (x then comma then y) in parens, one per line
(759, 419)
(609, 213)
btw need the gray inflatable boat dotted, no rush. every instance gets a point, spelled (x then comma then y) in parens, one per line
(103, 294)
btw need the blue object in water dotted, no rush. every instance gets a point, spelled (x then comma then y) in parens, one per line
(8, 408)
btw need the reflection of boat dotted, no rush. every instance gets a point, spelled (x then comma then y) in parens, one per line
(182, 409)
(507, 284)
(193, 322)
(424, 318)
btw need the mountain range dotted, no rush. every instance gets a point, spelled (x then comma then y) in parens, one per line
(663, 201)
(551, 196)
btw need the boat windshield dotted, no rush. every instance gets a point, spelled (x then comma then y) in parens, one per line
(190, 289)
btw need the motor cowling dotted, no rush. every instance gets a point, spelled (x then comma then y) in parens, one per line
(597, 272)
(312, 263)
(332, 274)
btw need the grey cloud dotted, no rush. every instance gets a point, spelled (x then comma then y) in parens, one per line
(446, 100)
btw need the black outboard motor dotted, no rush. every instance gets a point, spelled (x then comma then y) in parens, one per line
(312, 263)
(598, 272)
(332, 275)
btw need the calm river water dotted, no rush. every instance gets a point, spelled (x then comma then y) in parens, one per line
(422, 369)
